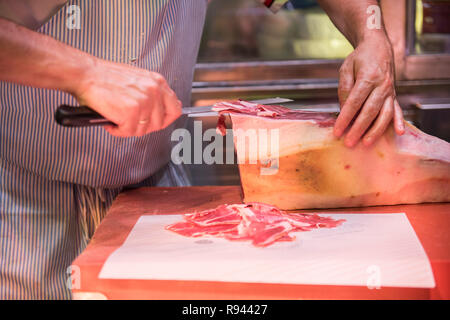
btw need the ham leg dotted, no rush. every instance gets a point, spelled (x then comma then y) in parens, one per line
(316, 170)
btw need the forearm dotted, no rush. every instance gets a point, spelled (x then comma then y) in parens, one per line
(37, 60)
(350, 17)
(138, 101)
(367, 76)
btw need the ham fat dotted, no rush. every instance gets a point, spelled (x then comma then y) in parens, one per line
(316, 170)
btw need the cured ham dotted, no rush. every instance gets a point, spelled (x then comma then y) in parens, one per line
(259, 223)
(316, 170)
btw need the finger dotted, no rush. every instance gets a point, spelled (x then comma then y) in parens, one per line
(172, 103)
(129, 128)
(142, 127)
(157, 117)
(399, 122)
(110, 129)
(365, 118)
(381, 123)
(151, 117)
(146, 119)
(143, 120)
(173, 108)
(346, 82)
(354, 102)
(159, 78)
(115, 131)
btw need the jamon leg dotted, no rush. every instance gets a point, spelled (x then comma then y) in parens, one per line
(316, 170)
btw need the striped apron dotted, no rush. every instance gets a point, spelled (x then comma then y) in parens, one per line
(57, 183)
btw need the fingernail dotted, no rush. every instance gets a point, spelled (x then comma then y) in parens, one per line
(368, 141)
(400, 128)
(349, 143)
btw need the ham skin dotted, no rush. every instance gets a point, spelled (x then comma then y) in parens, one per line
(316, 169)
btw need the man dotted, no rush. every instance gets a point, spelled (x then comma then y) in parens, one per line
(131, 61)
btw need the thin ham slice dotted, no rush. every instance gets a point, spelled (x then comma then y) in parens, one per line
(316, 170)
(190, 229)
(259, 223)
(323, 119)
(221, 215)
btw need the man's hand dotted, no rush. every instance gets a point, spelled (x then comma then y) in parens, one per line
(136, 100)
(366, 81)
(367, 93)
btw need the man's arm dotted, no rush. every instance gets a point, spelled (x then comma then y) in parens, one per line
(138, 101)
(367, 77)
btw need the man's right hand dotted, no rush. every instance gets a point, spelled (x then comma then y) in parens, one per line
(136, 100)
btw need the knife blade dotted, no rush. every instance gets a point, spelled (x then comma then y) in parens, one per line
(83, 116)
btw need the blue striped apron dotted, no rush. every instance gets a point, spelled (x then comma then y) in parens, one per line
(57, 183)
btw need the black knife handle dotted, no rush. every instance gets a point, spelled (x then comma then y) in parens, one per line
(69, 116)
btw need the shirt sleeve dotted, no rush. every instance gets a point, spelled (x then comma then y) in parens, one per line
(274, 5)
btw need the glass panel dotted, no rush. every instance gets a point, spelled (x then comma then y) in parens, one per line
(432, 26)
(245, 30)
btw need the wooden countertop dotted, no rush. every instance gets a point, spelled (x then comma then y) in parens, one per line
(431, 223)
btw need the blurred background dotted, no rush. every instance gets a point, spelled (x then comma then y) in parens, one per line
(247, 52)
(243, 30)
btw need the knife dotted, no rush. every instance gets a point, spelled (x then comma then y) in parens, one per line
(83, 116)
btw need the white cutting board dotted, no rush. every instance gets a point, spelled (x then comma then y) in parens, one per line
(374, 250)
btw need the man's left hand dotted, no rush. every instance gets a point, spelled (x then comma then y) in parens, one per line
(367, 93)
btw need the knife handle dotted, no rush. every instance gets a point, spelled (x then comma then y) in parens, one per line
(83, 116)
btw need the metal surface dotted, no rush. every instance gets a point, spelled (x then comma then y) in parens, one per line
(434, 106)
(267, 70)
(433, 117)
(306, 91)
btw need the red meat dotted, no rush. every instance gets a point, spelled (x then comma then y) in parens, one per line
(323, 119)
(259, 223)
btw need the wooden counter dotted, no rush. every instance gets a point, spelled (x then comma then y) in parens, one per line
(431, 223)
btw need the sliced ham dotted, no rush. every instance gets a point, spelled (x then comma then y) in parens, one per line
(190, 229)
(316, 170)
(221, 215)
(259, 223)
